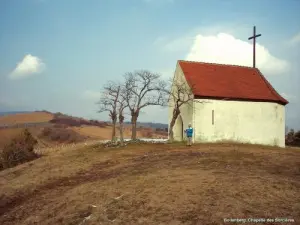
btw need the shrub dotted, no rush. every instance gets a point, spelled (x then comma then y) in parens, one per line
(293, 138)
(18, 151)
(97, 123)
(297, 134)
(60, 134)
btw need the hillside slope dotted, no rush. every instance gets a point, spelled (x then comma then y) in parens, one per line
(68, 127)
(22, 118)
(153, 184)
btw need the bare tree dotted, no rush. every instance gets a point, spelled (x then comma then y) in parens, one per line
(122, 105)
(142, 89)
(108, 103)
(180, 93)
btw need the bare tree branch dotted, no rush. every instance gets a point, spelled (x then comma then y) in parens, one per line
(180, 93)
(122, 105)
(142, 90)
(109, 102)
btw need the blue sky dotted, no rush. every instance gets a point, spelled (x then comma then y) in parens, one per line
(57, 54)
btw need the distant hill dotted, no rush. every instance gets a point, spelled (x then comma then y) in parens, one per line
(56, 128)
(17, 119)
(33, 118)
(13, 112)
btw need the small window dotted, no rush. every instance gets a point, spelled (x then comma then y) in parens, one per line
(213, 117)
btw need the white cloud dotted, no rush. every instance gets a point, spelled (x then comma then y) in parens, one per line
(30, 65)
(91, 95)
(174, 45)
(179, 44)
(226, 49)
(295, 40)
(183, 43)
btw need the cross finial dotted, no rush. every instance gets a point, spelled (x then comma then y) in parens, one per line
(254, 42)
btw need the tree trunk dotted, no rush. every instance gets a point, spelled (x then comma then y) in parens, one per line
(134, 117)
(113, 135)
(133, 127)
(121, 135)
(176, 113)
(121, 120)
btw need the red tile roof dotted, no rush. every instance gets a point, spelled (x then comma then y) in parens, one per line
(228, 81)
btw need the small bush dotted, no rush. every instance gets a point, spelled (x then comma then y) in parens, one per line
(18, 151)
(61, 135)
(293, 138)
(297, 134)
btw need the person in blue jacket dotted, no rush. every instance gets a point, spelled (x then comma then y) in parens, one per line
(189, 135)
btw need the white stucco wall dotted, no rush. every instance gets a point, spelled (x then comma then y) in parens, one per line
(240, 121)
(186, 110)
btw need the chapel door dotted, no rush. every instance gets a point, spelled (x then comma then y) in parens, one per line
(179, 129)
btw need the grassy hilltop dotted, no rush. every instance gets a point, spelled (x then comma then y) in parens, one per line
(152, 184)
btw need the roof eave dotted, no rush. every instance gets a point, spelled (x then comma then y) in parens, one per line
(239, 99)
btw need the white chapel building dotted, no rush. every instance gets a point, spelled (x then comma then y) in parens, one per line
(230, 103)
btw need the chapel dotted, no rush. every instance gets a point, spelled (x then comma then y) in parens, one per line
(230, 103)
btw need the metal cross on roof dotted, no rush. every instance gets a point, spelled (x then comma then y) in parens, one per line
(254, 42)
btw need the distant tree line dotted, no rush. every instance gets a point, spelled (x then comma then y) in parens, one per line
(63, 119)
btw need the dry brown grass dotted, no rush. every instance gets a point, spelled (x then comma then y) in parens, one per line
(6, 135)
(18, 151)
(94, 132)
(61, 135)
(32, 117)
(101, 133)
(153, 184)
